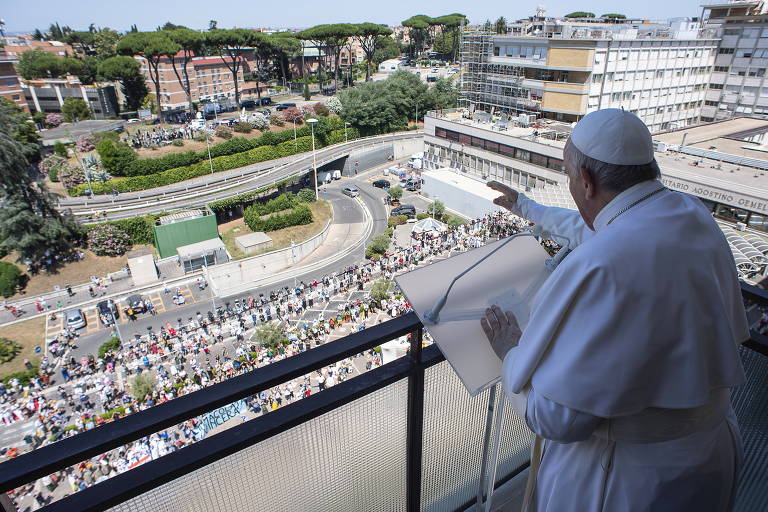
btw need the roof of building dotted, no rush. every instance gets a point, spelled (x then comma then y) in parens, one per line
(253, 239)
(200, 248)
(71, 131)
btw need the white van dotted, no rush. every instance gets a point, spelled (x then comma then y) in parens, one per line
(323, 178)
(336, 175)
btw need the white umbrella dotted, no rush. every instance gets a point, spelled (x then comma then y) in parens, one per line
(428, 224)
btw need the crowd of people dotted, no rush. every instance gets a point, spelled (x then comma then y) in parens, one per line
(158, 136)
(205, 349)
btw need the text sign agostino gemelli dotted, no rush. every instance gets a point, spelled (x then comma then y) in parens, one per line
(718, 195)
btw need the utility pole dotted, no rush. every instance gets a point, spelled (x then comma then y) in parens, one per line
(312, 123)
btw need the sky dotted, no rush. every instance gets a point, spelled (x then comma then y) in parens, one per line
(26, 15)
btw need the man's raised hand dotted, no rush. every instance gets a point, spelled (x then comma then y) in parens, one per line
(509, 198)
(501, 329)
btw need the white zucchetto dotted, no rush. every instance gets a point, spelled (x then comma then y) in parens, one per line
(614, 136)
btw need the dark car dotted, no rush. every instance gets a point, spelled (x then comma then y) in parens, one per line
(107, 311)
(404, 209)
(284, 106)
(413, 185)
(381, 184)
(136, 303)
(266, 101)
(248, 104)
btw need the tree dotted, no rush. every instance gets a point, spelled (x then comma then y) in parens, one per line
(369, 36)
(437, 209)
(18, 125)
(10, 277)
(141, 386)
(105, 43)
(127, 71)
(30, 223)
(501, 25)
(580, 14)
(380, 289)
(418, 27)
(191, 43)
(396, 192)
(269, 334)
(231, 45)
(614, 16)
(81, 42)
(115, 156)
(153, 47)
(442, 94)
(212, 25)
(284, 46)
(488, 26)
(171, 26)
(36, 63)
(333, 37)
(386, 48)
(75, 109)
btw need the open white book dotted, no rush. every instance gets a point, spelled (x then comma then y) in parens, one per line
(510, 278)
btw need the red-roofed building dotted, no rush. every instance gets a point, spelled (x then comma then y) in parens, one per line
(10, 87)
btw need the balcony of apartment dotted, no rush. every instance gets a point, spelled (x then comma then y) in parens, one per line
(403, 436)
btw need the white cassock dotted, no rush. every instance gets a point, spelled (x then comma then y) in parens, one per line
(626, 364)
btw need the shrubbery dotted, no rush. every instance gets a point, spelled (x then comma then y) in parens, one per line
(223, 132)
(306, 195)
(260, 123)
(50, 165)
(321, 109)
(293, 114)
(111, 345)
(8, 350)
(301, 214)
(396, 220)
(22, 376)
(278, 204)
(115, 156)
(177, 142)
(85, 143)
(53, 120)
(70, 176)
(378, 246)
(277, 119)
(139, 229)
(243, 128)
(108, 240)
(10, 278)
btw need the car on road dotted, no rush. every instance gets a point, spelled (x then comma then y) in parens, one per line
(74, 318)
(412, 185)
(107, 311)
(350, 191)
(134, 120)
(404, 209)
(385, 184)
(284, 106)
(136, 303)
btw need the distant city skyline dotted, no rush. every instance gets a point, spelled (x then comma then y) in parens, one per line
(24, 17)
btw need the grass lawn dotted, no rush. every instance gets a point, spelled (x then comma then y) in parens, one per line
(75, 273)
(29, 334)
(321, 212)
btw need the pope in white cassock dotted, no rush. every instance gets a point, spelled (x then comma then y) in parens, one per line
(627, 362)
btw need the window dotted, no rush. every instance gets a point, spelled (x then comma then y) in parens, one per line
(744, 54)
(496, 51)
(725, 51)
(711, 103)
(523, 155)
(715, 86)
(721, 68)
(596, 79)
(732, 32)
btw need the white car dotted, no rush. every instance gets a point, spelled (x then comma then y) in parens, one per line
(75, 319)
(134, 120)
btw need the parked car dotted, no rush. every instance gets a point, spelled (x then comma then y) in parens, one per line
(136, 303)
(323, 177)
(267, 101)
(412, 185)
(404, 209)
(108, 312)
(134, 120)
(263, 111)
(284, 106)
(350, 191)
(336, 175)
(381, 184)
(75, 319)
(432, 78)
(248, 104)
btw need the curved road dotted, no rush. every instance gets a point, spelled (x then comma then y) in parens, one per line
(220, 185)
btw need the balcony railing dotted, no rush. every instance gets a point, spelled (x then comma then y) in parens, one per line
(404, 436)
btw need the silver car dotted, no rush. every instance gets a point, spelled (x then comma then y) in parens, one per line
(351, 191)
(75, 318)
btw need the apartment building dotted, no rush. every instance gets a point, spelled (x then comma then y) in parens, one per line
(10, 86)
(565, 70)
(209, 78)
(48, 95)
(738, 83)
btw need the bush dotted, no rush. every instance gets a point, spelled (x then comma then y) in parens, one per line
(243, 128)
(75, 109)
(306, 195)
(23, 377)
(380, 289)
(308, 110)
(223, 132)
(53, 120)
(60, 149)
(396, 192)
(293, 114)
(139, 229)
(260, 123)
(70, 176)
(9, 349)
(10, 278)
(201, 137)
(321, 109)
(278, 204)
(396, 220)
(178, 143)
(378, 246)
(50, 165)
(107, 134)
(85, 143)
(141, 385)
(334, 105)
(111, 345)
(437, 208)
(277, 119)
(422, 216)
(108, 240)
(454, 221)
(300, 215)
(115, 156)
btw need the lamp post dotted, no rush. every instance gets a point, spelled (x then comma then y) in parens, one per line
(295, 144)
(311, 123)
(346, 139)
(208, 143)
(417, 114)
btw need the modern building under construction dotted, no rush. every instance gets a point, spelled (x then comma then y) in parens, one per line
(550, 68)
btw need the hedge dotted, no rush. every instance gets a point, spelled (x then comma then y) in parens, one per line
(140, 229)
(23, 377)
(278, 204)
(300, 215)
(232, 146)
(244, 198)
(110, 345)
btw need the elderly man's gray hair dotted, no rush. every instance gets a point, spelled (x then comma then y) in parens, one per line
(616, 178)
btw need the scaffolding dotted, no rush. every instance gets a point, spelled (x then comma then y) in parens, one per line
(491, 87)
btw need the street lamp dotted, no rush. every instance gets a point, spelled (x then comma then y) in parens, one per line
(311, 123)
(208, 143)
(417, 114)
(434, 206)
(346, 139)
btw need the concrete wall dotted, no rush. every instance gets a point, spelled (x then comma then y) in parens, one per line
(232, 275)
(405, 148)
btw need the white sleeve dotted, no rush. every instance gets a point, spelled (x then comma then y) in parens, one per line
(559, 221)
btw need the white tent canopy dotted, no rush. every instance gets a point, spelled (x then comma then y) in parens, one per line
(428, 224)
